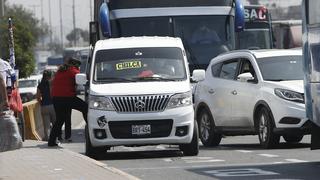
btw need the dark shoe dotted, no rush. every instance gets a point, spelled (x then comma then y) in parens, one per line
(56, 144)
(68, 140)
(60, 139)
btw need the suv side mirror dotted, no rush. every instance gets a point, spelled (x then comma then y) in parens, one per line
(245, 77)
(198, 75)
(81, 79)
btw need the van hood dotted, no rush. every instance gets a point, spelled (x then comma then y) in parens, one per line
(140, 88)
(296, 85)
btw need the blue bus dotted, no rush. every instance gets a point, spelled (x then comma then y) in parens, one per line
(311, 53)
(206, 27)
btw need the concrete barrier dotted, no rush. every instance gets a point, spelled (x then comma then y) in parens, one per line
(34, 128)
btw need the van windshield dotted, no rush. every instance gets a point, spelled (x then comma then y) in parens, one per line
(139, 64)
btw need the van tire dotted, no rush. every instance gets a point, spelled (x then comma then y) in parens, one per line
(208, 136)
(191, 149)
(90, 151)
(292, 138)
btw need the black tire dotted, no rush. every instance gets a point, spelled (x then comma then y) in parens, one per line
(265, 128)
(207, 134)
(90, 151)
(191, 149)
(292, 138)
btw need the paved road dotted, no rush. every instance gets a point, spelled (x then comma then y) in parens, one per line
(236, 158)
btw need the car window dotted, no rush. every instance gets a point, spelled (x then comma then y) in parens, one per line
(228, 69)
(216, 69)
(246, 67)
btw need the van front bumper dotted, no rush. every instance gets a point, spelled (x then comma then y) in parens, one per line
(164, 126)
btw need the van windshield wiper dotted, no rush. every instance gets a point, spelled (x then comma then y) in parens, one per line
(275, 80)
(152, 78)
(118, 79)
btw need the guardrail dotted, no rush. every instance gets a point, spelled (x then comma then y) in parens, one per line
(33, 123)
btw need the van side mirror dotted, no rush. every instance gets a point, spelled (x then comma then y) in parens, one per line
(81, 79)
(94, 32)
(198, 75)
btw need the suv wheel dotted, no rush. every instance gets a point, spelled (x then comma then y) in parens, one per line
(191, 149)
(265, 129)
(91, 151)
(206, 130)
(292, 138)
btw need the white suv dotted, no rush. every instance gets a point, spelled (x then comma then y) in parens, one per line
(252, 92)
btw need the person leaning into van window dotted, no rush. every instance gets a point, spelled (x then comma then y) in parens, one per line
(44, 98)
(63, 92)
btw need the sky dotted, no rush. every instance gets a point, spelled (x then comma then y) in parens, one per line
(82, 13)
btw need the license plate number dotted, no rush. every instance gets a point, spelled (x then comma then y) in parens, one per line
(141, 129)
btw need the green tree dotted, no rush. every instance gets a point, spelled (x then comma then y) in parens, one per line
(27, 30)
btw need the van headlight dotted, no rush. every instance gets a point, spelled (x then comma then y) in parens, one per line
(100, 103)
(289, 95)
(180, 100)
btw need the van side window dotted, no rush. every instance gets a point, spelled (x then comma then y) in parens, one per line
(228, 69)
(216, 69)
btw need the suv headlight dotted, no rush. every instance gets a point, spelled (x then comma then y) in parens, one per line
(289, 95)
(100, 103)
(180, 100)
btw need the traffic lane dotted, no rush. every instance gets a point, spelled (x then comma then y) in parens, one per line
(235, 155)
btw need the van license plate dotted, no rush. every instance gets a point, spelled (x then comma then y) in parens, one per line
(141, 129)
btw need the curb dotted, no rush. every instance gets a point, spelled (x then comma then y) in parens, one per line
(100, 164)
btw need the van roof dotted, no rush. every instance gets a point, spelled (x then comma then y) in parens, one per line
(141, 41)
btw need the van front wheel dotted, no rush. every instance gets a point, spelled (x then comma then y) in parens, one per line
(90, 151)
(191, 149)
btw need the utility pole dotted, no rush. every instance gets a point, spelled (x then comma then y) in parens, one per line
(50, 23)
(42, 19)
(1, 8)
(61, 28)
(90, 2)
(74, 24)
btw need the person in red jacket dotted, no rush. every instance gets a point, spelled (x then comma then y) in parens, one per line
(64, 98)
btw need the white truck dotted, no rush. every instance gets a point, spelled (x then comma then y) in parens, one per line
(139, 93)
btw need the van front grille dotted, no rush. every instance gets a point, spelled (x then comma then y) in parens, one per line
(147, 103)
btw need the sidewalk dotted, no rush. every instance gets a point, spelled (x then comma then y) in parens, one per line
(36, 161)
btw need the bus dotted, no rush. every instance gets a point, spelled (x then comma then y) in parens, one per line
(206, 27)
(257, 33)
(311, 65)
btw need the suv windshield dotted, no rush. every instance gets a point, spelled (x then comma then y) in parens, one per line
(139, 64)
(281, 68)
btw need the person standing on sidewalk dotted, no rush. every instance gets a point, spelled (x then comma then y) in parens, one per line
(65, 99)
(10, 138)
(45, 100)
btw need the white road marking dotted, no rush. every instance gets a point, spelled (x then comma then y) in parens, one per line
(269, 155)
(205, 161)
(193, 158)
(167, 160)
(295, 160)
(244, 151)
(240, 172)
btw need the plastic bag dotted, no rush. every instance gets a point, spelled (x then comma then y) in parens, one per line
(10, 138)
(15, 101)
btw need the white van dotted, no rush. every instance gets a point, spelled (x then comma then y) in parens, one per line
(139, 93)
